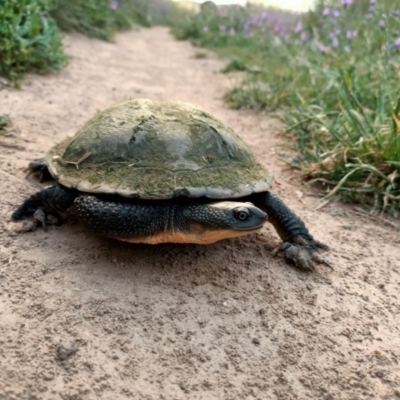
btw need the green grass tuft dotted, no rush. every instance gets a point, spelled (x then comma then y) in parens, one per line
(5, 124)
(30, 40)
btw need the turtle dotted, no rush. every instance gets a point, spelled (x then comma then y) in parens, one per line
(152, 172)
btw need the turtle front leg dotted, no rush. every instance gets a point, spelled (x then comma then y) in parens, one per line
(43, 208)
(298, 245)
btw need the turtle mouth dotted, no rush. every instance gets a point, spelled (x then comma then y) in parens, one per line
(249, 229)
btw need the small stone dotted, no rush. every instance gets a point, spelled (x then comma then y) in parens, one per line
(48, 375)
(66, 349)
(184, 388)
(338, 213)
(256, 341)
(336, 316)
(397, 393)
(380, 373)
(261, 311)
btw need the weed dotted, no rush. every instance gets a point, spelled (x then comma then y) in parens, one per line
(30, 40)
(103, 18)
(5, 124)
(200, 55)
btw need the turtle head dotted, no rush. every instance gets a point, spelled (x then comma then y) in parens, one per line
(212, 222)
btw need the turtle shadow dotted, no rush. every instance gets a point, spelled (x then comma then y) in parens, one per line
(170, 262)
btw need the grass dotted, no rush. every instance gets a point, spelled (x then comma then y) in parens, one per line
(5, 124)
(30, 40)
(331, 75)
(100, 18)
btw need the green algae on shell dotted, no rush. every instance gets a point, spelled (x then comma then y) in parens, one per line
(157, 150)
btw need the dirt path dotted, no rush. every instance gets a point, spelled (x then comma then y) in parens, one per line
(178, 322)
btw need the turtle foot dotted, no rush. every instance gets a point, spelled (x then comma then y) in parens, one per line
(43, 208)
(39, 218)
(303, 253)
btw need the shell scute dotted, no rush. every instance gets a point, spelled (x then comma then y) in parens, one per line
(147, 149)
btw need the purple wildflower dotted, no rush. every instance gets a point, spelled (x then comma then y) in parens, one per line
(335, 42)
(232, 32)
(222, 28)
(44, 18)
(373, 2)
(347, 2)
(336, 13)
(303, 37)
(326, 11)
(397, 43)
(381, 23)
(114, 5)
(395, 13)
(351, 34)
(321, 47)
(205, 28)
(299, 27)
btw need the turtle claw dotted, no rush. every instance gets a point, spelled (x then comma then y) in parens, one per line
(303, 253)
(317, 257)
(40, 216)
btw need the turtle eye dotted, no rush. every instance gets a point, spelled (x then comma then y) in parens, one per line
(242, 214)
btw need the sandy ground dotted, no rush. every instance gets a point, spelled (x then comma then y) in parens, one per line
(224, 321)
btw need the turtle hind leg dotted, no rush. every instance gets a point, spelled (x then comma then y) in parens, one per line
(43, 207)
(39, 169)
(298, 245)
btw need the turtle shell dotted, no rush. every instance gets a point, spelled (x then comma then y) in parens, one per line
(157, 150)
